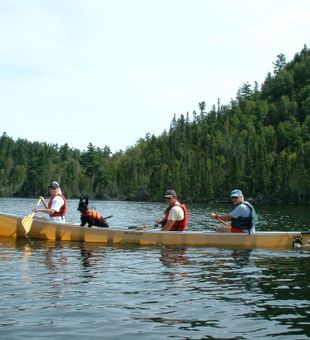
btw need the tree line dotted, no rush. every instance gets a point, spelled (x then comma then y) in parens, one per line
(259, 142)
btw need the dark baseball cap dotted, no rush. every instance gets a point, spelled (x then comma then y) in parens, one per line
(170, 193)
(54, 185)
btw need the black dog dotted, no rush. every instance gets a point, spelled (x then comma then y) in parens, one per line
(90, 216)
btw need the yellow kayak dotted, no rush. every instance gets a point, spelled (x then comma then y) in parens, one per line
(11, 226)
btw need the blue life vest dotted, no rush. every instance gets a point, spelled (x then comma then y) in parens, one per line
(245, 223)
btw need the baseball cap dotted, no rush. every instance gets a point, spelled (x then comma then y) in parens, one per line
(236, 193)
(170, 193)
(54, 185)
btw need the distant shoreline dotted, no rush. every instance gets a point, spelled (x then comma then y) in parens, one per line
(254, 201)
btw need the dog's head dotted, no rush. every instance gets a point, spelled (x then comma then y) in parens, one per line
(83, 204)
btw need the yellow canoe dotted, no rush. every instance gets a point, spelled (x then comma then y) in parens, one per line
(11, 226)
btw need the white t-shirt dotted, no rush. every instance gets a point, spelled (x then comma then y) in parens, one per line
(57, 203)
(176, 213)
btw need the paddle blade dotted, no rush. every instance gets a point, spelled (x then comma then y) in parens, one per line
(27, 222)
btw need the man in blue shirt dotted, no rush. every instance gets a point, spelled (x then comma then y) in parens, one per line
(242, 218)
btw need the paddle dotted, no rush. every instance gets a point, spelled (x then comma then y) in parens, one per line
(143, 227)
(27, 220)
(223, 222)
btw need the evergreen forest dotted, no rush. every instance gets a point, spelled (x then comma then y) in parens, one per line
(259, 143)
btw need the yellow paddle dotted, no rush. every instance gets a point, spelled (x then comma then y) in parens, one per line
(223, 222)
(143, 227)
(27, 220)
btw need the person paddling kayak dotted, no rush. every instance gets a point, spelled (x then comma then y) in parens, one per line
(242, 218)
(56, 207)
(176, 215)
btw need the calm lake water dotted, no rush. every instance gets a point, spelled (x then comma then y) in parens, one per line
(63, 290)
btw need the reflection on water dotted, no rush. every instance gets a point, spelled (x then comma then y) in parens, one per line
(61, 290)
(86, 257)
(173, 256)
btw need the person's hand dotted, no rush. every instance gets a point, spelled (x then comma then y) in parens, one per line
(35, 210)
(42, 198)
(213, 215)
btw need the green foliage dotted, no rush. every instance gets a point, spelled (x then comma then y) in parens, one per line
(259, 143)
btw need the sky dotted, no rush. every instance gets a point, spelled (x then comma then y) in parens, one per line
(108, 72)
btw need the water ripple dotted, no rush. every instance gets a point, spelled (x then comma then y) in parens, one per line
(61, 290)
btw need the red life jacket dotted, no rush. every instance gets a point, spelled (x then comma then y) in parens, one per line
(92, 214)
(63, 209)
(236, 230)
(178, 225)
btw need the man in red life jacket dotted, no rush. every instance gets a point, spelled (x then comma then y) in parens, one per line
(176, 215)
(56, 207)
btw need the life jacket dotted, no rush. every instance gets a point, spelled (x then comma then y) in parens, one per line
(243, 223)
(91, 213)
(63, 209)
(178, 225)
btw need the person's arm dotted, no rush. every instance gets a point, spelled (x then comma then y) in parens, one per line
(168, 225)
(160, 222)
(224, 218)
(56, 205)
(45, 210)
(43, 201)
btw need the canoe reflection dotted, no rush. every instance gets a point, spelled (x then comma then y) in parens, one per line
(86, 255)
(173, 256)
(241, 256)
